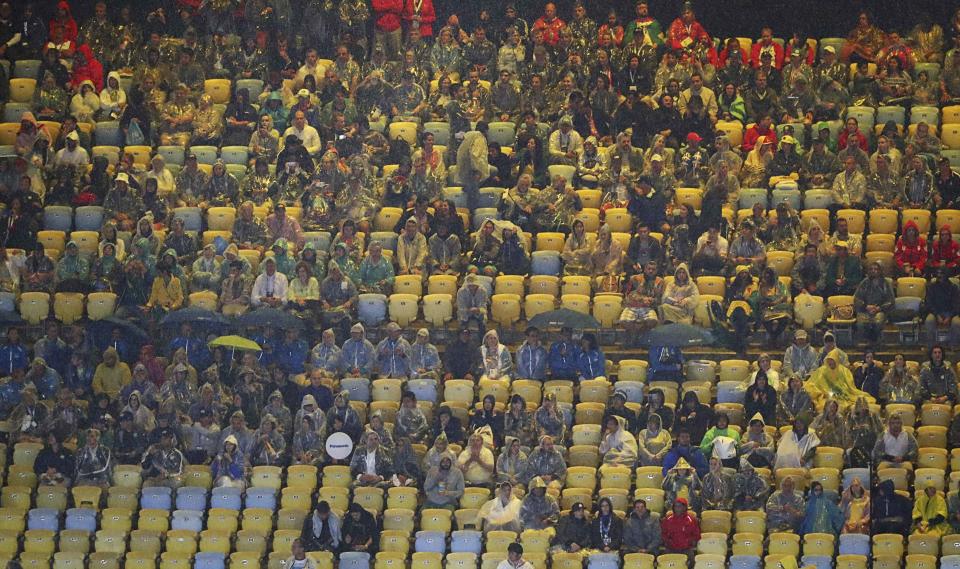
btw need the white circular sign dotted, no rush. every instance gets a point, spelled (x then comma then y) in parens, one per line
(339, 446)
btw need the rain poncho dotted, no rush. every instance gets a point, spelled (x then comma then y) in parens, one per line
(393, 357)
(682, 481)
(497, 515)
(822, 514)
(680, 299)
(718, 489)
(544, 462)
(496, 361)
(357, 356)
(835, 383)
(795, 451)
(930, 514)
(550, 421)
(653, 444)
(326, 354)
(344, 412)
(519, 424)
(619, 448)
(511, 462)
(750, 490)
(785, 510)
(538, 511)
(412, 424)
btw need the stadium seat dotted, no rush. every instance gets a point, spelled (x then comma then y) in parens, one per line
(218, 90)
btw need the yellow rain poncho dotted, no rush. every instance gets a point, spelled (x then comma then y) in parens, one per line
(930, 514)
(834, 382)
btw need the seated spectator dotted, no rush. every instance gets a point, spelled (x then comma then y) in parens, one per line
(449, 425)
(872, 301)
(477, 463)
(163, 463)
(573, 532)
(393, 354)
(785, 507)
(444, 485)
(683, 450)
(910, 253)
(680, 531)
(750, 490)
(228, 465)
(322, 531)
(502, 513)
(938, 382)
(930, 512)
(895, 447)
(889, 512)
(371, 465)
(359, 530)
(539, 510)
(797, 447)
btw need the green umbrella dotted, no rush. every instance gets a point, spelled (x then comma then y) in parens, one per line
(235, 343)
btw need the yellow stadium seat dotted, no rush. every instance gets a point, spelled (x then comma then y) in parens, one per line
(436, 520)
(210, 236)
(951, 136)
(386, 390)
(923, 544)
(654, 497)
(584, 455)
(581, 285)
(117, 519)
(9, 543)
(505, 308)
(576, 302)
(672, 561)
(137, 560)
(563, 561)
(213, 541)
(923, 477)
(404, 130)
(780, 261)
(549, 241)
(16, 497)
(53, 497)
(154, 520)
(473, 498)
(336, 475)
(590, 218)
(586, 434)
(498, 541)
(590, 198)
(267, 477)
(650, 477)
(885, 258)
(403, 308)
(690, 196)
(548, 285)
(781, 543)
(888, 544)
(856, 220)
(402, 498)
(198, 476)
(912, 286)
(398, 519)
(387, 218)
(921, 561)
(716, 521)
(34, 307)
(337, 497)
(712, 542)
(408, 284)
(582, 477)
(619, 220)
(442, 284)
(884, 221)
(595, 391)
(933, 414)
(52, 239)
(615, 477)
(221, 519)
(35, 560)
(247, 540)
(509, 284)
(395, 541)
(22, 89)
(39, 541)
(828, 477)
(175, 559)
(218, 90)
(25, 453)
(257, 519)
(822, 216)
(221, 218)
(931, 436)
(587, 413)
(426, 560)
(733, 129)
(111, 541)
(289, 518)
(68, 307)
(75, 560)
(747, 544)
(145, 541)
(949, 217)
(537, 304)
(734, 370)
(751, 522)
(437, 309)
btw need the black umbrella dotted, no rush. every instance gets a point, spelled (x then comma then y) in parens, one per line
(270, 318)
(564, 318)
(676, 335)
(193, 315)
(130, 330)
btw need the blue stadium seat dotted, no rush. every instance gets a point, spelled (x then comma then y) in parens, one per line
(603, 561)
(43, 518)
(424, 389)
(108, 133)
(88, 218)
(949, 562)
(82, 519)
(466, 541)
(358, 387)
(850, 473)
(354, 560)
(545, 263)
(818, 561)
(431, 541)
(58, 218)
(188, 520)
(192, 217)
(192, 498)
(854, 544)
(745, 562)
(261, 497)
(372, 309)
(227, 498)
(209, 560)
(156, 498)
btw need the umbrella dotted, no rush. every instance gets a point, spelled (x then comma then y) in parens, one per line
(670, 335)
(235, 343)
(103, 328)
(270, 318)
(564, 318)
(193, 315)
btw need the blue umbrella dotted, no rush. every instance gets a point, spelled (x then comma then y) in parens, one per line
(193, 315)
(676, 335)
(564, 318)
(270, 318)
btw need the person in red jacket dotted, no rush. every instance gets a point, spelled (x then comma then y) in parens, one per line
(910, 253)
(419, 13)
(680, 530)
(63, 20)
(944, 253)
(550, 24)
(766, 45)
(86, 68)
(763, 128)
(685, 32)
(852, 128)
(386, 28)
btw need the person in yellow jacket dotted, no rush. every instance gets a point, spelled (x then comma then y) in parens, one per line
(166, 294)
(930, 513)
(111, 375)
(833, 380)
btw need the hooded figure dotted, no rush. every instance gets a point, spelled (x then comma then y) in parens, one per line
(326, 354)
(855, 508)
(495, 358)
(680, 297)
(930, 512)
(411, 422)
(653, 442)
(889, 511)
(444, 485)
(306, 447)
(833, 381)
(111, 375)
(549, 419)
(439, 450)
(518, 422)
(545, 461)
(785, 508)
(228, 466)
(750, 490)
(539, 509)
(142, 416)
(682, 483)
(346, 414)
(718, 487)
(822, 514)
(322, 530)
(502, 513)
(694, 417)
(511, 462)
(357, 355)
(573, 532)
(619, 446)
(757, 447)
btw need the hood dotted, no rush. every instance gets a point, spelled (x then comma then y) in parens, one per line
(836, 356)
(911, 225)
(537, 482)
(282, 244)
(87, 54)
(507, 443)
(682, 267)
(307, 400)
(491, 333)
(358, 327)
(149, 221)
(275, 395)
(621, 423)
(114, 75)
(861, 405)
(231, 439)
(691, 396)
(111, 353)
(604, 231)
(29, 117)
(656, 419)
(888, 488)
(758, 417)
(682, 464)
(342, 397)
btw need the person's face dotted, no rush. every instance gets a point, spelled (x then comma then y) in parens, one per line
(549, 11)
